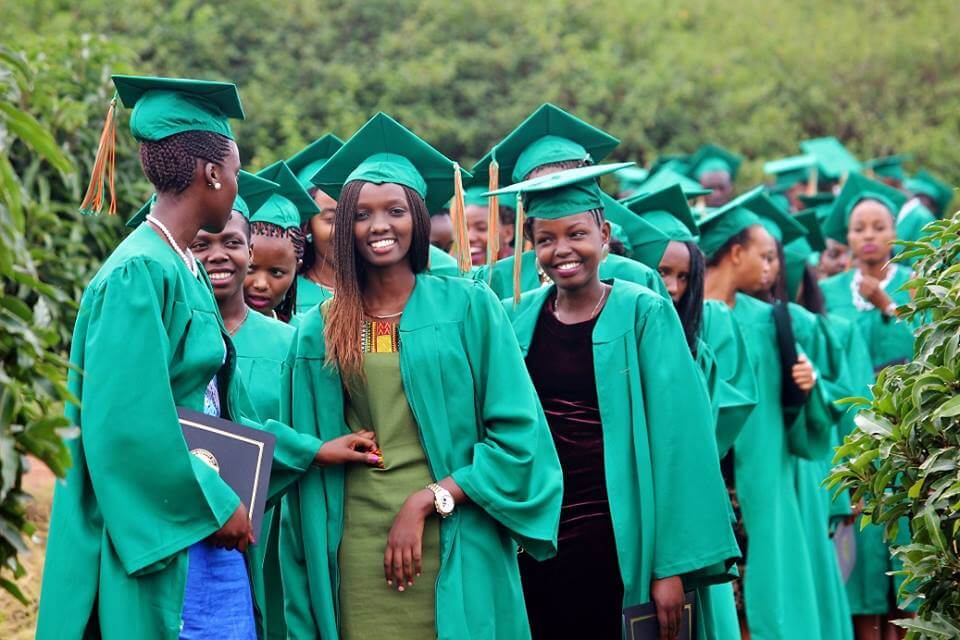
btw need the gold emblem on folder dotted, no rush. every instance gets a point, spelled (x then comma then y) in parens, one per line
(208, 458)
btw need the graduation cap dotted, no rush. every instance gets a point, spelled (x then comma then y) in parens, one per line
(252, 192)
(857, 189)
(384, 151)
(162, 107)
(678, 162)
(711, 158)
(630, 178)
(306, 162)
(925, 183)
(746, 210)
(558, 195)
(886, 167)
(776, 220)
(290, 205)
(667, 210)
(666, 177)
(833, 160)
(797, 253)
(817, 199)
(647, 242)
(789, 171)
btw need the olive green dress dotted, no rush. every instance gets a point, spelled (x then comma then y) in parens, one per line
(370, 608)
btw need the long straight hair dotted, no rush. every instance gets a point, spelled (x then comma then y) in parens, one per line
(344, 318)
(690, 305)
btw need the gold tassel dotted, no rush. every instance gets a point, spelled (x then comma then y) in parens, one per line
(518, 253)
(493, 215)
(458, 218)
(812, 182)
(104, 167)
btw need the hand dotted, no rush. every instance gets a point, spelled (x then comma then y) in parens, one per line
(871, 290)
(667, 595)
(803, 374)
(236, 533)
(353, 447)
(402, 560)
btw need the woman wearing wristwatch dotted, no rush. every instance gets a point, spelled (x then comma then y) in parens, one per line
(864, 218)
(426, 545)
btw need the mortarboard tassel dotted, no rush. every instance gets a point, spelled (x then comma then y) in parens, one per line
(493, 216)
(104, 167)
(812, 182)
(518, 253)
(461, 245)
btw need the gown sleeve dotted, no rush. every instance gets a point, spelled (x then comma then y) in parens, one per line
(515, 473)
(156, 499)
(688, 487)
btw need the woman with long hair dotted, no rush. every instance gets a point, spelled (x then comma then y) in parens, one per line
(425, 545)
(632, 424)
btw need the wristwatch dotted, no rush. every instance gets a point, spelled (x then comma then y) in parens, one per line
(890, 310)
(442, 500)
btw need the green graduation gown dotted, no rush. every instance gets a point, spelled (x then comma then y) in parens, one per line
(442, 263)
(500, 275)
(667, 499)
(262, 344)
(779, 592)
(480, 421)
(149, 338)
(911, 220)
(888, 340)
(309, 294)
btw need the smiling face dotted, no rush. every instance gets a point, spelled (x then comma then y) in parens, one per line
(477, 232)
(382, 225)
(675, 269)
(570, 249)
(225, 256)
(751, 261)
(871, 232)
(272, 270)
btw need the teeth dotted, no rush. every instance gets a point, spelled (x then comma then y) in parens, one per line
(379, 244)
(566, 266)
(219, 276)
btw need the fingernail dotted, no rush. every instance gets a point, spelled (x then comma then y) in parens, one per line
(390, 582)
(400, 588)
(373, 459)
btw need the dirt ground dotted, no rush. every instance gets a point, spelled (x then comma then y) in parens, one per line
(18, 622)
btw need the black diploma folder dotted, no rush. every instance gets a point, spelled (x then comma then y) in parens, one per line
(640, 622)
(241, 455)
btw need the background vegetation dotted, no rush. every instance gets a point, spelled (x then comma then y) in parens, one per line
(753, 75)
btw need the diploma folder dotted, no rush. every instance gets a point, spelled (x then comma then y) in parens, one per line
(241, 455)
(640, 622)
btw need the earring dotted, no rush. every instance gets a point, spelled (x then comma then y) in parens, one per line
(605, 253)
(217, 186)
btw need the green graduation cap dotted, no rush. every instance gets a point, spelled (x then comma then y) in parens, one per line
(834, 161)
(856, 189)
(306, 162)
(565, 193)
(163, 107)
(789, 171)
(291, 205)
(252, 192)
(924, 182)
(667, 210)
(746, 210)
(630, 178)
(384, 151)
(817, 199)
(646, 241)
(814, 233)
(549, 134)
(678, 162)
(710, 158)
(886, 167)
(667, 177)
(796, 254)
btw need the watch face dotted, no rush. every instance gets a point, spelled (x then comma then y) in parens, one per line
(446, 503)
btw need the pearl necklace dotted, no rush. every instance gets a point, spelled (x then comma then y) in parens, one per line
(859, 302)
(186, 256)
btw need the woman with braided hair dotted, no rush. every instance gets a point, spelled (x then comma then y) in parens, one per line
(144, 536)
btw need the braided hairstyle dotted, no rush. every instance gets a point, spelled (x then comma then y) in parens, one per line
(170, 163)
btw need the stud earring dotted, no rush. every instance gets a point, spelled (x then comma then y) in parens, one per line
(605, 253)
(217, 186)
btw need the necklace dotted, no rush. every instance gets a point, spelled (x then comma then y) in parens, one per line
(246, 312)
(859, 302)
(186, 256)
(603, 296)
(384, 317)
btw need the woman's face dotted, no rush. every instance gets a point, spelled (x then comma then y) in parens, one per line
(272, 270)
(382, 225)
(768, 248)
(218, 203)
(477, 231)
(225, 256)
(835, 259)
(675, 269)
(441, 232)
(751, 261)
(871, 233)
(570, 249)
(321, 225)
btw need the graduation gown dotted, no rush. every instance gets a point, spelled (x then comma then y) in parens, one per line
(667, 498)
(911, 220)
(309, 294)
(500, 275)
(480, 421)
(778, 585)
(262, 344)
(441, 263)
(869, 589)
(149, 338)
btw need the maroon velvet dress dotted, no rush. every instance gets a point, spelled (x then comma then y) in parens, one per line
(578, 593)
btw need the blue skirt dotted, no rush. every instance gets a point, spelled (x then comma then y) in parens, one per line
(217, 601)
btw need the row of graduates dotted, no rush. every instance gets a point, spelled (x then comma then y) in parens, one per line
(622, 419)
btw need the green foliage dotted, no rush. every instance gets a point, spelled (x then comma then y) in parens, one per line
(904, 458)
